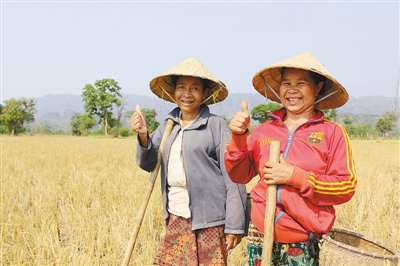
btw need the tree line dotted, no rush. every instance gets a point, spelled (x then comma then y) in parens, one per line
(104, 106)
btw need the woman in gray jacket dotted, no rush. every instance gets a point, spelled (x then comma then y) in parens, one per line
(204, 209)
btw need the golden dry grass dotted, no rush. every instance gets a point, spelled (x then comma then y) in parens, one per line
(73, 201)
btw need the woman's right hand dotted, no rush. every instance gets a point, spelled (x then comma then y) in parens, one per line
(138, 123)
(240, 122)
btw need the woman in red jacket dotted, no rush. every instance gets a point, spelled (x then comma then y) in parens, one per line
(316, 168)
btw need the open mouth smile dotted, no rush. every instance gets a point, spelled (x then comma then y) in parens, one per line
(186, 102)
(293, 100)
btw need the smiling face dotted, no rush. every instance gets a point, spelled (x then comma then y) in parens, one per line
(298, 91)
(189, 94)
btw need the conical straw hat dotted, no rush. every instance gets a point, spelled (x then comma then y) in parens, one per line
(162, 85)
(335, 94)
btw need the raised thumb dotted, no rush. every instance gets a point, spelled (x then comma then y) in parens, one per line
(245, 107)
(138, 109)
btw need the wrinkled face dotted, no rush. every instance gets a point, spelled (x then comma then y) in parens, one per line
(189, 94)
(298, 91)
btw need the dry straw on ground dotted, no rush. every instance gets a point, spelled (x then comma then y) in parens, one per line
(72, 201)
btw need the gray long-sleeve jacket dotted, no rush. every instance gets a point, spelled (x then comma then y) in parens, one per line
(214, 198)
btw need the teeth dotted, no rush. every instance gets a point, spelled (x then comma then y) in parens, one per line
(292, 99)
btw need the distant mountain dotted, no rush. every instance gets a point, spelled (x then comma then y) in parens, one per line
(59, 105)
(374, 105)
(57, 110)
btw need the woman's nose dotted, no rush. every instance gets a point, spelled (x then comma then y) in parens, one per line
(187, 92)
(293, 88)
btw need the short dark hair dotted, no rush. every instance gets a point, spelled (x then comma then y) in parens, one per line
(317, 77)
(204, 82)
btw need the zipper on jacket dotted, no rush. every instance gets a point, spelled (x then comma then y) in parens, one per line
(289, 142)
(279, 190)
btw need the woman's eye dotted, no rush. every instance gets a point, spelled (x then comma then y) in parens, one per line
(301, 84)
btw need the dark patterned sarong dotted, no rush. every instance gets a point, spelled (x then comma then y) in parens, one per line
(183, 246)
(282, 254)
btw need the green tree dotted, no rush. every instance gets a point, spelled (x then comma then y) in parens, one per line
(46, 129)
(120, 108)
(17, 112)
(87, 123)
(348, 125)
(82, 123)
(75, 124)
(123, 132)
(259, 112)
(112, 125)
(331, 114)
(364, 130)
(386, 123)
(149, 117)
(99, 99)
(3, 128)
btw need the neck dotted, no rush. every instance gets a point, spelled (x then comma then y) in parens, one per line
(291, 119)
(187, 118)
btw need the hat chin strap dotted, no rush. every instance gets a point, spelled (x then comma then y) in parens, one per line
(323, 98)
(162, 95)
(273, 91)
(214, 96)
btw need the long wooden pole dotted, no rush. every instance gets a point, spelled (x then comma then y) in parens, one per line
(270, 209)
(147, 194)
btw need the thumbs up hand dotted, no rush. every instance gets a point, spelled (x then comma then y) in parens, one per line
(240, 122)
(137, 122)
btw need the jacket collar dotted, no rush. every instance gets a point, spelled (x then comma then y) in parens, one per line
(200, 120)
(280, 114)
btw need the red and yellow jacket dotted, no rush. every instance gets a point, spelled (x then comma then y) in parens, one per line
(324, 174)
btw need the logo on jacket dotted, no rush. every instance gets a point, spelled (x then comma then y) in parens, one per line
(315, 138)
(263, 142)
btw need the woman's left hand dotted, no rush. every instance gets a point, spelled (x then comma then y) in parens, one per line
(277, 173)
(232, 241)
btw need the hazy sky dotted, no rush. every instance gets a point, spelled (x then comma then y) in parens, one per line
(57, 47)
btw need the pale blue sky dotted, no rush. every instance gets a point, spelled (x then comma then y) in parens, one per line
(57, 47)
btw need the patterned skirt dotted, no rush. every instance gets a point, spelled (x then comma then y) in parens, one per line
(183, 246)
(295, 254)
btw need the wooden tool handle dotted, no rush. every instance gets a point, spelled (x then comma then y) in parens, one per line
(270, 209)
(147, 194)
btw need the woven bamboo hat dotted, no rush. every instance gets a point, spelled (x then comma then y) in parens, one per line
(332, 94)
(163, 87)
